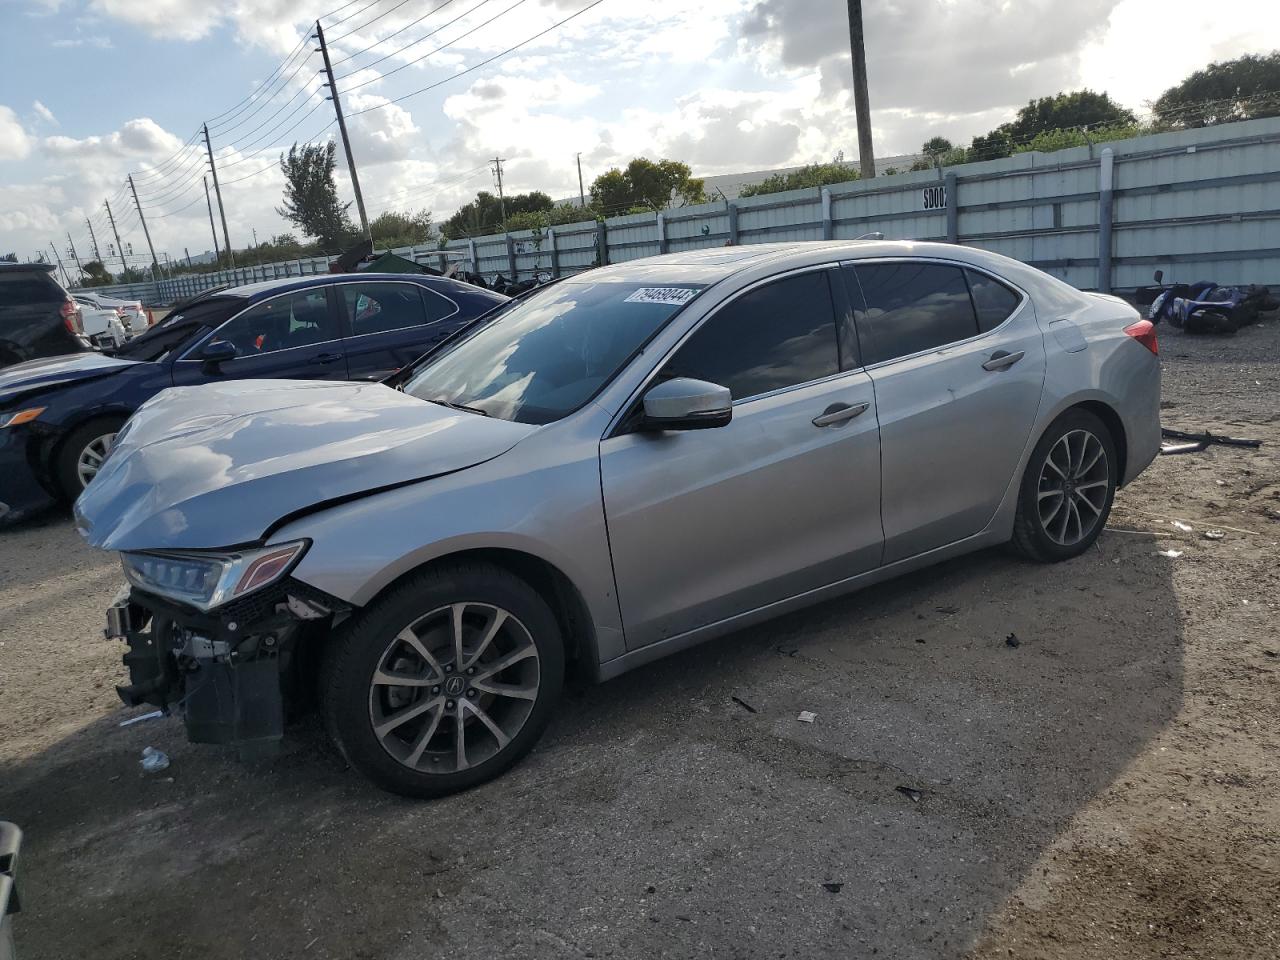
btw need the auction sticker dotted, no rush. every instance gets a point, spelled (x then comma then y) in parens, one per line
(674, 296)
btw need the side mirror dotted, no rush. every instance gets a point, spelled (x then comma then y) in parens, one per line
(216, 353)
(1159, 276)
(686, 404)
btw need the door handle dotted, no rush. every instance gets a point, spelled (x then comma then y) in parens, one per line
(326, 358)
(839, 413)
(1003, 360)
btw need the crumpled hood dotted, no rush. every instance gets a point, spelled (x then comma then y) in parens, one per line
(34, 375)
(216, 465)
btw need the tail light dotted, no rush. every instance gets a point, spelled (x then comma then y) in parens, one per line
(1144, 331)
(71, 318)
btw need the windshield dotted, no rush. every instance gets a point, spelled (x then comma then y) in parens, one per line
(548, 355)
(179, 328)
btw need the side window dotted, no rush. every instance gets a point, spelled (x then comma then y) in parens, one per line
(992, 299)
(911, 307)
(293, 320)
(378, 307)
(775, 336)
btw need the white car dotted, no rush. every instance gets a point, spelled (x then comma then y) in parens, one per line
(104, 326)
(133, 314)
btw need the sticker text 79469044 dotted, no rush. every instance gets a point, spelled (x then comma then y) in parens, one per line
(673, 296)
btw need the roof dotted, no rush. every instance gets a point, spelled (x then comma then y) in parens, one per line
(255, 290)
(7, 267)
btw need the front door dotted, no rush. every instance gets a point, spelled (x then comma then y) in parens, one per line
(958, 364)
(707, 524)
(294, 335)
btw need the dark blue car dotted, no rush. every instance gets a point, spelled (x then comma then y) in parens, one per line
(58, 415)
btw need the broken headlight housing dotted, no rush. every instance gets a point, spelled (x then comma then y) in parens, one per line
(208, 580)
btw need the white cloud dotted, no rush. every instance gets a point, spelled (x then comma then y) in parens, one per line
(15, 143)
(44, 113)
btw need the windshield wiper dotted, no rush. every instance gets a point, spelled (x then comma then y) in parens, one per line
(456, 406)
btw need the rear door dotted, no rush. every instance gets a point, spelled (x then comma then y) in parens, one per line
(708, 524)
(390, 323)
(292, 335)
(958, 365)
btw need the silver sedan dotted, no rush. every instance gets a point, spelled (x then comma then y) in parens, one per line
(621, 465)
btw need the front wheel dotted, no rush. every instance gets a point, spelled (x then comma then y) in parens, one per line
(445, 682)
(1067, 489)
(83, 453)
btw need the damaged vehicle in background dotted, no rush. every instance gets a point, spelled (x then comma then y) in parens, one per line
(632, 461)
(59, 415)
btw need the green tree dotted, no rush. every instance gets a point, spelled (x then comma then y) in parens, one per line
(394, 229)
(647, 186)
(483, 215)
(311, 196)
(813, 175)
(1241, 89)
(96, 274)
(1080, 108)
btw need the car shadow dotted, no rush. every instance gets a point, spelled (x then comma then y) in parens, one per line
(964, 714)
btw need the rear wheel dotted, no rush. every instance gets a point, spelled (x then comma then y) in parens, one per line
(83, 453)
(445, 682)
(1067, 489)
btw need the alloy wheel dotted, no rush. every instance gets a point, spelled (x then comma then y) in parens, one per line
(92, 457)
(453, 688)
(1073, 488)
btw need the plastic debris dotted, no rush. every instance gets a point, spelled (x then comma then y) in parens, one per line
(1184, 527)
(911, 793)
(154, 760)
(1171, 554)
(146, 716)
(807, 716)
(743, 704)
(833, 887)
(1012, 640)
(1214, 535)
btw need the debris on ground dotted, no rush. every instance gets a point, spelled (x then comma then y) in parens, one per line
(1184, 527)
(1271, 653)
(947, 610)
(1196, 442)
(807, 716)
(1171, 554)
(1012, 640)
(911, 793)
(743, 704)
(786, 651)
(154, 760)
(1214, 535)
(146, 716)
(833, 887)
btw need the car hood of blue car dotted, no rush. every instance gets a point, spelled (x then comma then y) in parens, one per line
(218, 465)
(37, 375)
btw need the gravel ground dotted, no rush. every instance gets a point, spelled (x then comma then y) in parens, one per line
(1106, 788)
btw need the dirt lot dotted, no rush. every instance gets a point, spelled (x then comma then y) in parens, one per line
(1108, 788)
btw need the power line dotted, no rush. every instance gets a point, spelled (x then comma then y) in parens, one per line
(263, 103)
(371, 21)
(244, 143)
(354, 13)
(396, 33)
(273, 165)
(410, 63)
(482, 63)
(237, 108)
(249, 156)
(158, 168)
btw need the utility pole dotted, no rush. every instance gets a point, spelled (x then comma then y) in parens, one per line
(217, 254)
(502, 200)
(155, 264)
(188, 253)
(257, 251)
(119, 246)
(861, 105)
(74, 256)
(217, 191)
(582, 194)
(342, 128)
(66, 278)
(93, 241)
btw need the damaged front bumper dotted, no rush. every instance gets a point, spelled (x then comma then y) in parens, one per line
(233, 673)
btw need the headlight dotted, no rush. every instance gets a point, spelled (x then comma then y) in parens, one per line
(20, 417)
(208, 580)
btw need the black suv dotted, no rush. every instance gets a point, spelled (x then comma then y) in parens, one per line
(37, 317)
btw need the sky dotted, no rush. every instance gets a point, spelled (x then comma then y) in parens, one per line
(94, 90)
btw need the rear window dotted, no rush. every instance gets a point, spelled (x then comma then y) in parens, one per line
(18, 290)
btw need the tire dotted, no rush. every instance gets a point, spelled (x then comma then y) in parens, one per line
(405, 737)
(1064, 460)
(67, 466)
